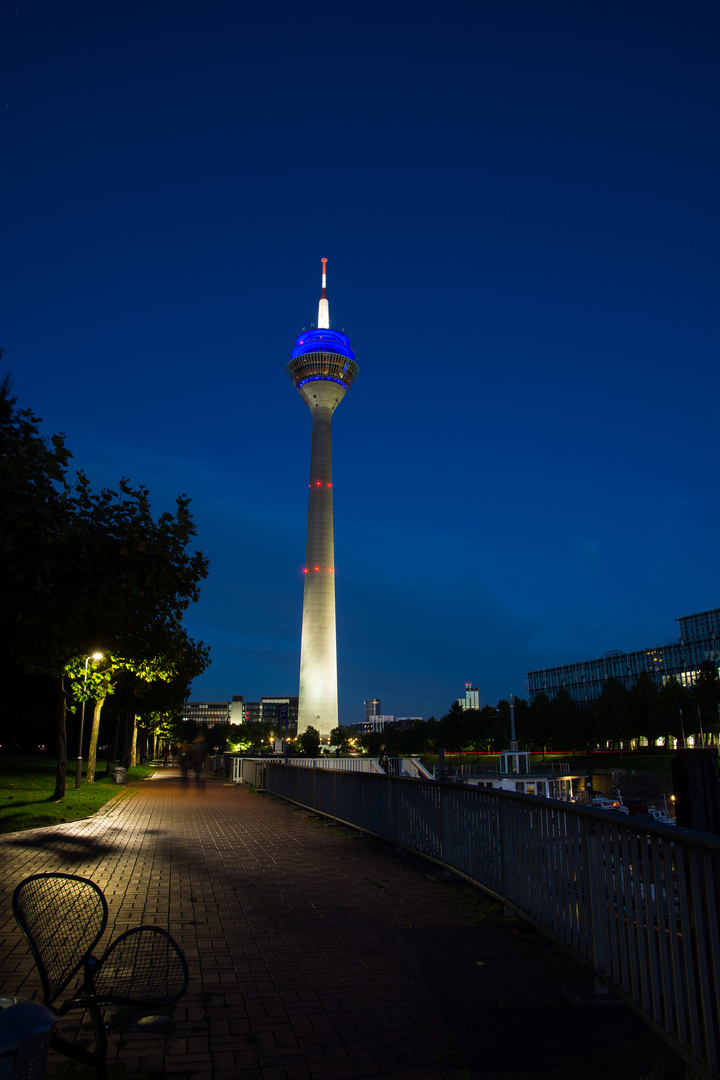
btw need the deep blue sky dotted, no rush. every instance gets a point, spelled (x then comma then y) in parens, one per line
(519, 204)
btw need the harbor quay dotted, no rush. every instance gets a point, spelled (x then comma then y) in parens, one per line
(316, 953)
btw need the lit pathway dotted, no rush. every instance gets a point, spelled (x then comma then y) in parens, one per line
(293, 934)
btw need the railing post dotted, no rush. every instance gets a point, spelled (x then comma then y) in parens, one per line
(446, 831)
(593, 898)
(507, 848)
(396, 810)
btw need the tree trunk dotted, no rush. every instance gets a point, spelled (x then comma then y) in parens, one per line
(59, 792)
(133, 742)
(123, 745)
(113, 755)
(92, 753)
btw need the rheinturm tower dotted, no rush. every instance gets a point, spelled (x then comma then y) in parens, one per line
(323, 368)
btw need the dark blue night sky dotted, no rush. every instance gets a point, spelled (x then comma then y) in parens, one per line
(518, 202)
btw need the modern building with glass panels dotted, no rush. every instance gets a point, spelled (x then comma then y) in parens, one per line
(699, 641)
(238, 711)
(371, 707)
(471, 699)
(206, 712)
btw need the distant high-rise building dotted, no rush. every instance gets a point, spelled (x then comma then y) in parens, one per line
(271, 711)
(322, 367)
(584, 680)
(206, 712)
(471, 699)
(371, 708)
(252, 711)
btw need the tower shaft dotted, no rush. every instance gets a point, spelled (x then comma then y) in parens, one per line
(318, 703)
(322, 367)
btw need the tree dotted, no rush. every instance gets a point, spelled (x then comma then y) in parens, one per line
(566, 718)
(523, 733)
(706, 697)
(452, 731)
(615, 714)
(492, 727)
(341, 736)
(644, 706)
(86, 570)
(309, 742)
(674, 704)
(539, 721)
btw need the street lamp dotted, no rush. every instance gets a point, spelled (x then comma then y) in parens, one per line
(78, 772)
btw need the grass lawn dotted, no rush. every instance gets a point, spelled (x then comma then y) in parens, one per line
(27, 782)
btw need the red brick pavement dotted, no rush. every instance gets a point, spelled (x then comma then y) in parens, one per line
(293, 934)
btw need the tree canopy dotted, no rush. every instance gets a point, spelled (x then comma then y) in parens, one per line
(89, 571)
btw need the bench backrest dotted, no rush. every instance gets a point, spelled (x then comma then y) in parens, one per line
(63, 918)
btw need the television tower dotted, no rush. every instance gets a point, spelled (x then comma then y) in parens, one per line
(322, 367)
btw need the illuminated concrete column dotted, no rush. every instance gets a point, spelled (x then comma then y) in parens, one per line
(322, 369)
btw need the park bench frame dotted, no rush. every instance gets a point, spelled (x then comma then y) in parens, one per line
(63, 917)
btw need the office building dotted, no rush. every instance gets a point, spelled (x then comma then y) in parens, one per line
(322, 368)
(238, 711)
(584, 680)
(371, 707)
(471, 699)
(206, 712)
(270, 712)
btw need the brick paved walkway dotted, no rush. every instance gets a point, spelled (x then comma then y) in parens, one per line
(314, 955)
(292, 931)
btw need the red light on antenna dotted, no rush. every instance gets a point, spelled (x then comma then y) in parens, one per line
(329, 485)
(318, 483)
(330, 569)
(317, 568)
(306, 571)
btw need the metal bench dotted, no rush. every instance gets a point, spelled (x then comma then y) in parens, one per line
(63, 918)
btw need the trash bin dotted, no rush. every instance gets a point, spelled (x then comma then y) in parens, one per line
(26, 1029)
(119, 774)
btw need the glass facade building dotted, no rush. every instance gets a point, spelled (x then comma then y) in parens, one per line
(371, 707)
(699, 641)
(471, 699)
(206, 712)
(239, 711)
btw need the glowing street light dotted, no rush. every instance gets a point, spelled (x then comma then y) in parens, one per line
(78, 772)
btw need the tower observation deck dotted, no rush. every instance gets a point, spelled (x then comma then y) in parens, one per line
(322, 368)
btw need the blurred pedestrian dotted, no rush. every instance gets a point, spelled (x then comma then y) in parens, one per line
(198, 754)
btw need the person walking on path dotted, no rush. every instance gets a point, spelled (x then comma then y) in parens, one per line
(198, 754)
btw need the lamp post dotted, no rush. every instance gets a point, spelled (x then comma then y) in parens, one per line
(78, 772)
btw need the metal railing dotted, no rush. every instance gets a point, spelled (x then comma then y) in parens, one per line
(245, 769)
(640, 904)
